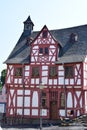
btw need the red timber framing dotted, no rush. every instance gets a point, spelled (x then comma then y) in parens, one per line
(23, 82)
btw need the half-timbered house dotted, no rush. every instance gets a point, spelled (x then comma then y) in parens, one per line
(55, 60)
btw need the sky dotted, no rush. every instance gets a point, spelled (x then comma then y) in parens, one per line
(55, 14)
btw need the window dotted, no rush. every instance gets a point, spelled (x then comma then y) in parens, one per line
(62, 100)
(69, 72)
(41, 50)
(44, 50)
(18, 71)
(43, 99)
(44, 34)
(53, 72)
(35, 71)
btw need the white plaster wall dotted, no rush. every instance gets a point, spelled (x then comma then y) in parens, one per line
(19, 101)
(50, 57)
(61, 67)
(19, 111)
(9, 101)
(32, 59)
(44, 79)
(44, 73)
(44, 67)
(11, 111)
(9, 72)
(27, 67)
(79, 81)
(78, 93)
(71, 81)
(27, 73)
(27, 101)
(18, 80)
(50, 81)
(61, 80)
(81, 102)
(78, 113)
(55, 81)
(66, 81)
(61, 73)
(27, 92)
(19, 92)
(26, 111)
(37, 81)
(32, 81)
(34, 112)
(53, 47)
(53, 58)
(35, 47)
(85, 74)
(8, 80)
(85, 101)
(75, 101)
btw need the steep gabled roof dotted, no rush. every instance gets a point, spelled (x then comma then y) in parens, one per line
(70, 51)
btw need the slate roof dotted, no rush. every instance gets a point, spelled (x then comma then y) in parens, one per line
(69, 51)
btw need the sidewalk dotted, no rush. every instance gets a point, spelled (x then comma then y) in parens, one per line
(49, 128)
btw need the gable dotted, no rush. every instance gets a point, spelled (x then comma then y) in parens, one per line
(44, 46)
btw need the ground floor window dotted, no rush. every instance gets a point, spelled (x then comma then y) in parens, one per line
(62, 100)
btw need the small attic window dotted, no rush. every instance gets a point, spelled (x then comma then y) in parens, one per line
(45, 34)
(73, 37)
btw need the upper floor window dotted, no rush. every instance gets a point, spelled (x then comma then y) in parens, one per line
(45, 34)
(69, 71)
(18, 71)
(44, 50)
(41, 50)
(53, 72)
(35, 71)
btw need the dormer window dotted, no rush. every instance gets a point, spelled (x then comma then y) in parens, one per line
(45, 34)
(73, 37)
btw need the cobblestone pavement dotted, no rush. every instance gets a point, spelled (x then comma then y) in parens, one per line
(49, 128)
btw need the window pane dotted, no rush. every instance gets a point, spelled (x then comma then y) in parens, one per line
(53, 72)
(18, 71)
(35, 71)
(41, 50)
(69, 72)
(46, 50)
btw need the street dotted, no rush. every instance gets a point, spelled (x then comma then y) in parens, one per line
(49, 128)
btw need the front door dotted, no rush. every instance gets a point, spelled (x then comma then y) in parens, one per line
(53, 110)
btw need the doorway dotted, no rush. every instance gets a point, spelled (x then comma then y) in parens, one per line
(53, 110)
